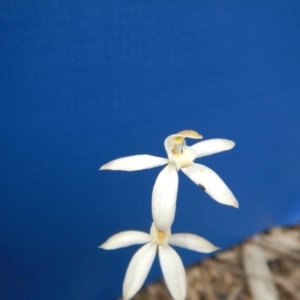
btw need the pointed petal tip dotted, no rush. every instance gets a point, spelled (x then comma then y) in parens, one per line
(230, 144)
(236, 204)
(125, 297)
(213, 249)
(104, 167)
(233, 202)
(103, 246)
(128, 296)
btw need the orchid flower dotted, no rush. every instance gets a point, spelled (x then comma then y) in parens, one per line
(170, 262)
(180, 157)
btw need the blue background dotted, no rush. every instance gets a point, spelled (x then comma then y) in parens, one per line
(85, 82)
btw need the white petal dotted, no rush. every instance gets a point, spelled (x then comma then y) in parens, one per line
(135, 162)
(126, 238)
(192, 242)
(164, 197)
(138, 270)
(173, 271)
(212, 146)
(211, 183)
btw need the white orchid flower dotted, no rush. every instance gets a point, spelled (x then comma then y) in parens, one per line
(170, 262)
(180, 157)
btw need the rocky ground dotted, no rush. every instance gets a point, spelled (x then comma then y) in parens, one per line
(265, 267)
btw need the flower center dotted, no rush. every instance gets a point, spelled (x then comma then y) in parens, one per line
(178, 146)
(159, 237)
(183, 155)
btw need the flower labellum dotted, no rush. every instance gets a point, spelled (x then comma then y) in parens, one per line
(170, 262)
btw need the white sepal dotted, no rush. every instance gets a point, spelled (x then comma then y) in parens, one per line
(164, 197)
(212, 146)
(135, 162)
(192, 242)
(138, 270)
(125, 239)
(191, 134)
(211, 183)
(173, 271)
